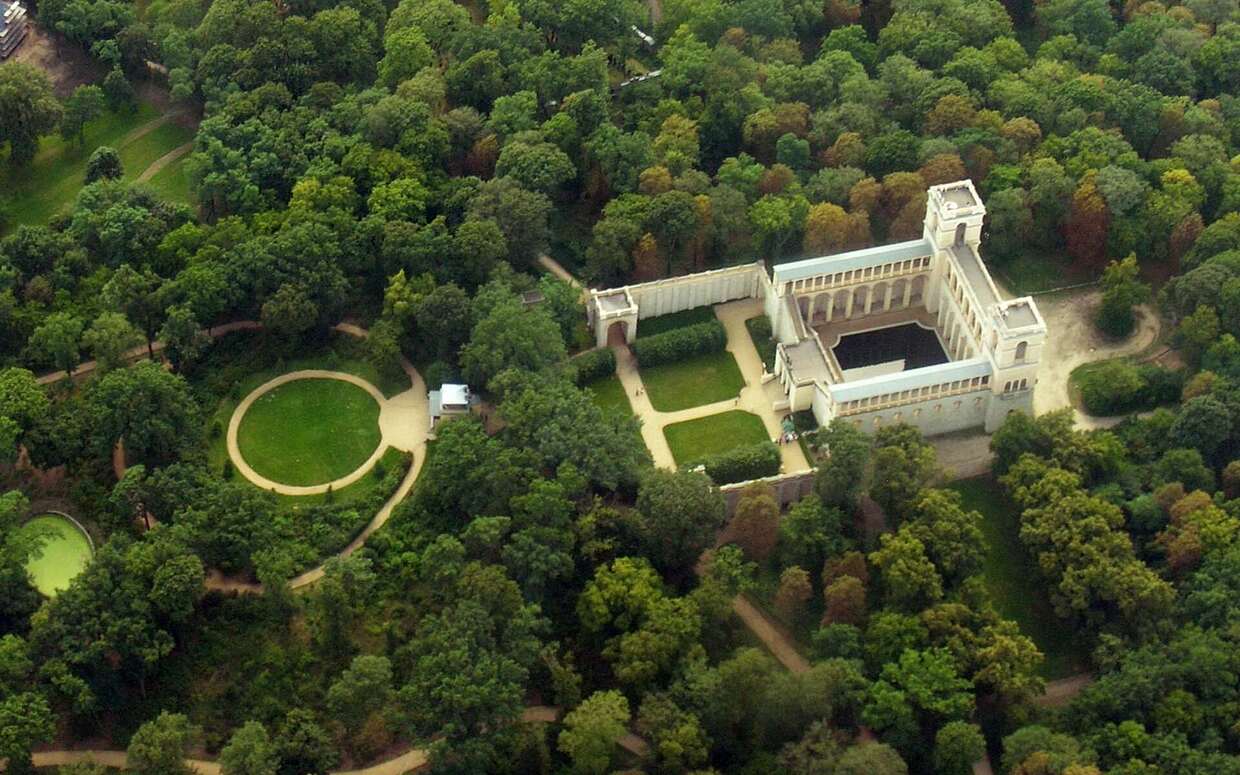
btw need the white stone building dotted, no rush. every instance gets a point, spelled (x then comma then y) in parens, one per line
(13, 26)
(983, 352)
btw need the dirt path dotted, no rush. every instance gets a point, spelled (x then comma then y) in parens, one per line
(779, 644)
(1072, 339)
(403, 422)
(557, 269)
(163, 161)
(1059, 693)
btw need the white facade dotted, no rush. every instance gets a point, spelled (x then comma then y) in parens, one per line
(938, 281)
(993, 346)
(13, 26)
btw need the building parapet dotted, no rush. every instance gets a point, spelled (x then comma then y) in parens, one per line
(913, 380)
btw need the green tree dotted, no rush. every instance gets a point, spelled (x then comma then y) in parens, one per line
(250, 751)
(109, 338)
(58, 340)
(909, 578)
(83, 106)
(681, 513)
(361, 690)
(592, 729)
(1122, 290)
(118, 92)
(957, 745)
(842, 479)
(104, 164)
(871, 759)
(511, 336)
(151, 409)
(25, 721)
(184, 340)
(28, 109)
(159, 746)
(406, 51)
(303, 746)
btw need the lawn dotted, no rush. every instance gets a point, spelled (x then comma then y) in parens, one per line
(1036, 272)
(1014, 582)
(309, 431)
(609, 394)
(702, 379)
(172, 183)
(664, 323)
(693, 440)
(39, 191)
(143, 152)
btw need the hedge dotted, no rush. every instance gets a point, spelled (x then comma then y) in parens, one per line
(680, 344)
(753, 461)
(594, 364)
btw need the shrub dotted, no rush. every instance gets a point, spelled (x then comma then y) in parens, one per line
(743, 463)
(1119, 386)
(593, 365)
(681, 343)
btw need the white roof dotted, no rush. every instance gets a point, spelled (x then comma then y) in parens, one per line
(910, 380)
(853, 259)
(454, 395)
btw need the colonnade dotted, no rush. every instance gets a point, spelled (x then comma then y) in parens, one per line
(862, 300)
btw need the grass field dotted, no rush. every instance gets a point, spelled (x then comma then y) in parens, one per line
(39, 191)
(172, 183)
(664, 323)
(309, 431)
(609, 395)
(695, 439)
(1014, 581)
(1035, 272)
(702, 379)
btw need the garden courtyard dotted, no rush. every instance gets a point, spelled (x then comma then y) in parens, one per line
(702, 405)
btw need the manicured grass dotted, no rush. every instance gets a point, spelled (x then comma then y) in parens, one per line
(39, 191)
(609, 395)
(141, 153)
(361, 489)
(664, 323)
(1014, 582)
(695, 439)
(309, 431)
(172, 183)
(240, 362)
(703, 379)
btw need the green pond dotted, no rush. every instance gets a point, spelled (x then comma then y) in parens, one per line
(66, 550)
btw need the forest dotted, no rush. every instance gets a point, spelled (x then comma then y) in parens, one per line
(543, 599)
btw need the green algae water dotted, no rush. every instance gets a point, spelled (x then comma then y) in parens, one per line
(66, 550)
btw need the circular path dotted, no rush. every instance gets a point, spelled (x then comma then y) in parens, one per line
(403, 420)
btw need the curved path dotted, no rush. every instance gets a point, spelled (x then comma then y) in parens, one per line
(163, 161)
(402, 424)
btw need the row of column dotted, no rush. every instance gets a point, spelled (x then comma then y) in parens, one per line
(953, 328)
(848, 302)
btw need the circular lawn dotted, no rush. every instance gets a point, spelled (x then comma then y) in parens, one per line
(309, 431)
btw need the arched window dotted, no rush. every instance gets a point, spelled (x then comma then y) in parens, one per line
(1021, 350)
(960, 227)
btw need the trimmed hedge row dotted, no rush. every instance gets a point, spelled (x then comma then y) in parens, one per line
(594, 364)
(681, 343)
(753, 461)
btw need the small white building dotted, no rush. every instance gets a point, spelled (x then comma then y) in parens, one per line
(13, 26)
(450, 401)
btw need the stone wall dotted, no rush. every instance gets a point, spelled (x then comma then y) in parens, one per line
(789, 488)
(676, 294)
